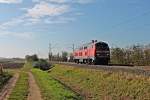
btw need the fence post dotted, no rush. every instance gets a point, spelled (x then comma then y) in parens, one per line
(1, 69)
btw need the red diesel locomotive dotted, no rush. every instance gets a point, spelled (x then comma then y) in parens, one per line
(92, 53)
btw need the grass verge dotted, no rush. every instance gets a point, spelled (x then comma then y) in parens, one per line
(100, 85)
(20, 91)
(52, 89)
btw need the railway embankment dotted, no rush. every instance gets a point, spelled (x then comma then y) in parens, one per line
(95, 84)
(138, 70)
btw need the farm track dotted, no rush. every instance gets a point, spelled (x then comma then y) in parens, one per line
(6, 91)
(131, 69)
(34, 91)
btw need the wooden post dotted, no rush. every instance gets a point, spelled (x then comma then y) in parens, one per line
(1, 69)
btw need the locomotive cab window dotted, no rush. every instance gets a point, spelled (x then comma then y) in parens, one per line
(102, 46)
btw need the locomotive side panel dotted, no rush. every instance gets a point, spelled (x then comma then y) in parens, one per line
(91, 51)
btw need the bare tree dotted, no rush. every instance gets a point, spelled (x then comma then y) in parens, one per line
(64, 56)
(137, 55)
(117, 56)
(147, 55)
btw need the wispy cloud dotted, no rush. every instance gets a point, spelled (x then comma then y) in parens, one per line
(45, 12)
(59, 20)
(45, 9)
(42, 12)
(10, 1)
(66, 1)
(55, 1)
(23, 35)
(12, 22)
(83, 1)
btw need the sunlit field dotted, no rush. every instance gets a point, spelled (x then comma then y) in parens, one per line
(98, 84)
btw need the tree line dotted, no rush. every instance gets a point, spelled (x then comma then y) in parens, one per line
(134, 55)
(64, 56)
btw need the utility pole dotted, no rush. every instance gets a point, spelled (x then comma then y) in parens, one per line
(73, 47)
(72, 57)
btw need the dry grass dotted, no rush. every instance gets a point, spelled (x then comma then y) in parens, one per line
(99, 84)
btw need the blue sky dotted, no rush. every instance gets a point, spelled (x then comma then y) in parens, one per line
(28, 26)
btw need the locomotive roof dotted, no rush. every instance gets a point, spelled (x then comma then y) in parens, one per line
(89, 44)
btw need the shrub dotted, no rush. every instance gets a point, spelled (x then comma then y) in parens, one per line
(4, 78)
(31, 58)
(42, 64)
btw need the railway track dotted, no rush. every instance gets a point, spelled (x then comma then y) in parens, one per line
(115, 68)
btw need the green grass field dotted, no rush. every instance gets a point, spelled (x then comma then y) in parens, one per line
(52, 89)
(91, 84)
(100, 85)
(20, 91)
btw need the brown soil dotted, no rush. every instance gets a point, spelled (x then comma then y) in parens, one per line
(4, 95)
(34, 91)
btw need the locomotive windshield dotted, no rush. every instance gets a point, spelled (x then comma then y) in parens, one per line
(102, 47)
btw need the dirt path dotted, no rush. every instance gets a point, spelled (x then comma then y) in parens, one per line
(4, 95)
(34, 91)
